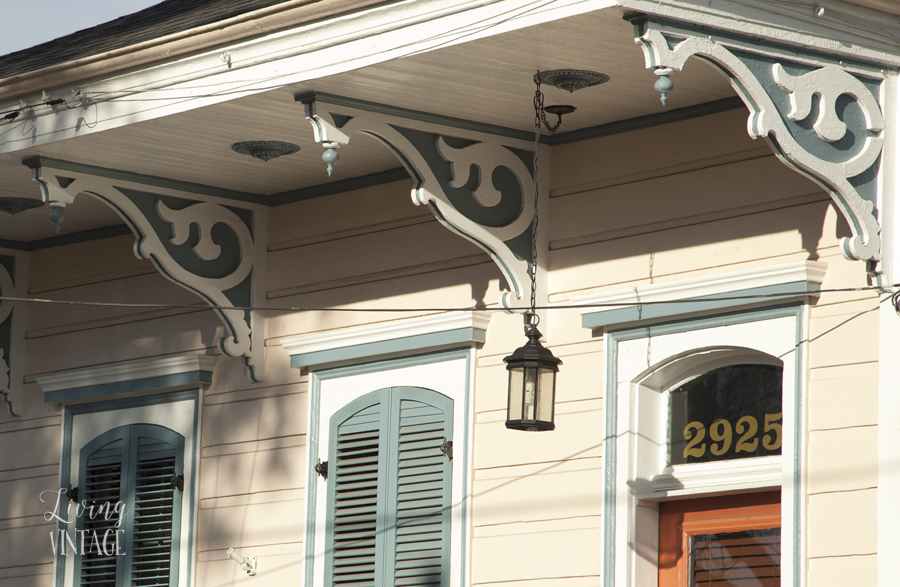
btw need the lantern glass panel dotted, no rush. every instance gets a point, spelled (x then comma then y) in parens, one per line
(545, 395)
(531, 393)
(514, 407)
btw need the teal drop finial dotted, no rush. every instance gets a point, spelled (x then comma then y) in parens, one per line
(330, 156)
(57, 215)
(663, 84)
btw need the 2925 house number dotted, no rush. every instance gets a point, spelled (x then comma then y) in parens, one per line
(746, 432)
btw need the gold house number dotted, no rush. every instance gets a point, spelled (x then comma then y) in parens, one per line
(722, 433)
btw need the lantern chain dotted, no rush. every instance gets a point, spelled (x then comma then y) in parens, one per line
(531, 318)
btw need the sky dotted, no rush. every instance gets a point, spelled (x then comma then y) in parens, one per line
(51, 19)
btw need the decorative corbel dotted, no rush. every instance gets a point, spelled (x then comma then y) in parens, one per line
(478, 183)
(228, 272)
(13, 283)
(821, 116)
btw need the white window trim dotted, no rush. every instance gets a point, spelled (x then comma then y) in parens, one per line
(90, 411)
(643, 364)
(434, 352)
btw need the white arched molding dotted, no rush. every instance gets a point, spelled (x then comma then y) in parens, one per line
(476, 179)
(643, 365)
(822, 115)
(13, 284)
(228, 276)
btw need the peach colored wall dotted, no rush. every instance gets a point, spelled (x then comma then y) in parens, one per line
(682, 200)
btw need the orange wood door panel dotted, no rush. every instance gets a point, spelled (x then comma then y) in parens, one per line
(680, 520)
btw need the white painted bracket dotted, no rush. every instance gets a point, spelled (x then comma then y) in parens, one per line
(822, 116)
(477, 182)
(13, 283)
(228, 273)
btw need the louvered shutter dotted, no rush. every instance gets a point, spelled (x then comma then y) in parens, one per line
(133, 464)
(418, 534)
(156, 518)
(389, 490)
(101, 486)
(357, 471)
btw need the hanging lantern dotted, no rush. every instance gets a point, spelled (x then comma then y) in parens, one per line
(532, 385)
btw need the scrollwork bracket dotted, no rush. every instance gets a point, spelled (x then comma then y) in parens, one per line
(228, 277)
(478, 184)
(821, 116)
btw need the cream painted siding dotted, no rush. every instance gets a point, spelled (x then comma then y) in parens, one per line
(670, 202)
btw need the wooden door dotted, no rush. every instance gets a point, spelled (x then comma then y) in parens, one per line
(728, 541)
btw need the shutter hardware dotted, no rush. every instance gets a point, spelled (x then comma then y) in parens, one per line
(177, 482)
(322, 469)
(72, 493)
(447, 448)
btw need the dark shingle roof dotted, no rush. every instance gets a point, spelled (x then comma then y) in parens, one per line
(165, 18)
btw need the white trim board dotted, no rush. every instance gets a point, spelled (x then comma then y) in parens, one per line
(425, 333)
(787, 281)
(133, 376)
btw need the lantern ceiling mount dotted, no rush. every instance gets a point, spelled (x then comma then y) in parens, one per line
(13, 205)
(571, 79)
(265, 150)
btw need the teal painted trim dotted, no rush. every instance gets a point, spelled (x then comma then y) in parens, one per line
(15, 245)
(707, 303)
(65, 464)
(648, 121)
(134, 402)
(151, 180)
(79, 237)
(797, 467)
(493, 129)
(687, 325)
(387, 347)
(161, 382)
(338, 187)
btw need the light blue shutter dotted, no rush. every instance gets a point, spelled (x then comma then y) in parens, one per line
(133, 464)
(156, 518)
(100, 483)
(389, 490)
(419, 495)
(356, 471)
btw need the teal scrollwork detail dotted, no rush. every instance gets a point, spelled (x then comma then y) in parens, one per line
(476, 183)
(821, 117)
(10, 344)
(204, 246)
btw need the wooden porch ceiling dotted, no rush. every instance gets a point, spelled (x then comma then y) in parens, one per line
(487, 81)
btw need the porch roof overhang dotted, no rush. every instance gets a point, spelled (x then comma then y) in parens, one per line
(461, 68)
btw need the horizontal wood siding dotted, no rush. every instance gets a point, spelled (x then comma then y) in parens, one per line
(672, 202)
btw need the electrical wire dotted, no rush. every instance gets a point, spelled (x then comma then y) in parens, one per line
(895, 299)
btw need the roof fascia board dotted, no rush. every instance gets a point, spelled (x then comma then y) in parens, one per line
(235, 29)
(303, 53)
(845, 30)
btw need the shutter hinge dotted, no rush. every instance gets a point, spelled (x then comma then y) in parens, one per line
(322, 469)
(72, 493)
(447, 448)
(177, 482)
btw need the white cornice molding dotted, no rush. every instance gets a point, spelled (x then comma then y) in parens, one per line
(749, 473)
(842, 29)
(707, 285)
(131, 371)
(375, 333)
(305, 52)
